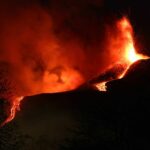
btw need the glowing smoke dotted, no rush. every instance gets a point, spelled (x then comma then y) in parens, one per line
(42, 55)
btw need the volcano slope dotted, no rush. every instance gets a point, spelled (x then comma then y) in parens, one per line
(116, 119)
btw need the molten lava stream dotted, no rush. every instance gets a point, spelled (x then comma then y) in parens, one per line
(129, 55)
(14, 107)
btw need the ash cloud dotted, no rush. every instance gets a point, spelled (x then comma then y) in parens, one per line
(52, 46)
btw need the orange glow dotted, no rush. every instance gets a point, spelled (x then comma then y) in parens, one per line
(128, 54)
(15, 106)
(132, 56)
(101, 86)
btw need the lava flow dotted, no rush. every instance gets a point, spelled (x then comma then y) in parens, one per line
(129, 55)
(14, 107)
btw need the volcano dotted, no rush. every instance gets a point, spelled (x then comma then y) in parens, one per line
(78, 71)
(45, 75)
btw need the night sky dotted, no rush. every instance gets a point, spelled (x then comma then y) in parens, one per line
(87, 118)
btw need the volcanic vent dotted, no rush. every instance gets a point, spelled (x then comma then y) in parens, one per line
(127, 57)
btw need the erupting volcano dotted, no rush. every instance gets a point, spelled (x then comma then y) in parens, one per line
(48, 66)
(129, 55)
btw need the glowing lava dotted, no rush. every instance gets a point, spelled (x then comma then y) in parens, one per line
(101, 86)
(129, 54)
(14, 107)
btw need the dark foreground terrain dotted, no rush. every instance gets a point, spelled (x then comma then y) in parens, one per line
(85, 119)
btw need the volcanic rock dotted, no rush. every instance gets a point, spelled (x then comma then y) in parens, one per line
(110, 74)
(136, 80)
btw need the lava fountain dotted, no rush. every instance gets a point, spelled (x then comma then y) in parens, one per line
(129, 55)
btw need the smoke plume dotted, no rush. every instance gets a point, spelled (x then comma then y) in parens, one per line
(51, 48)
